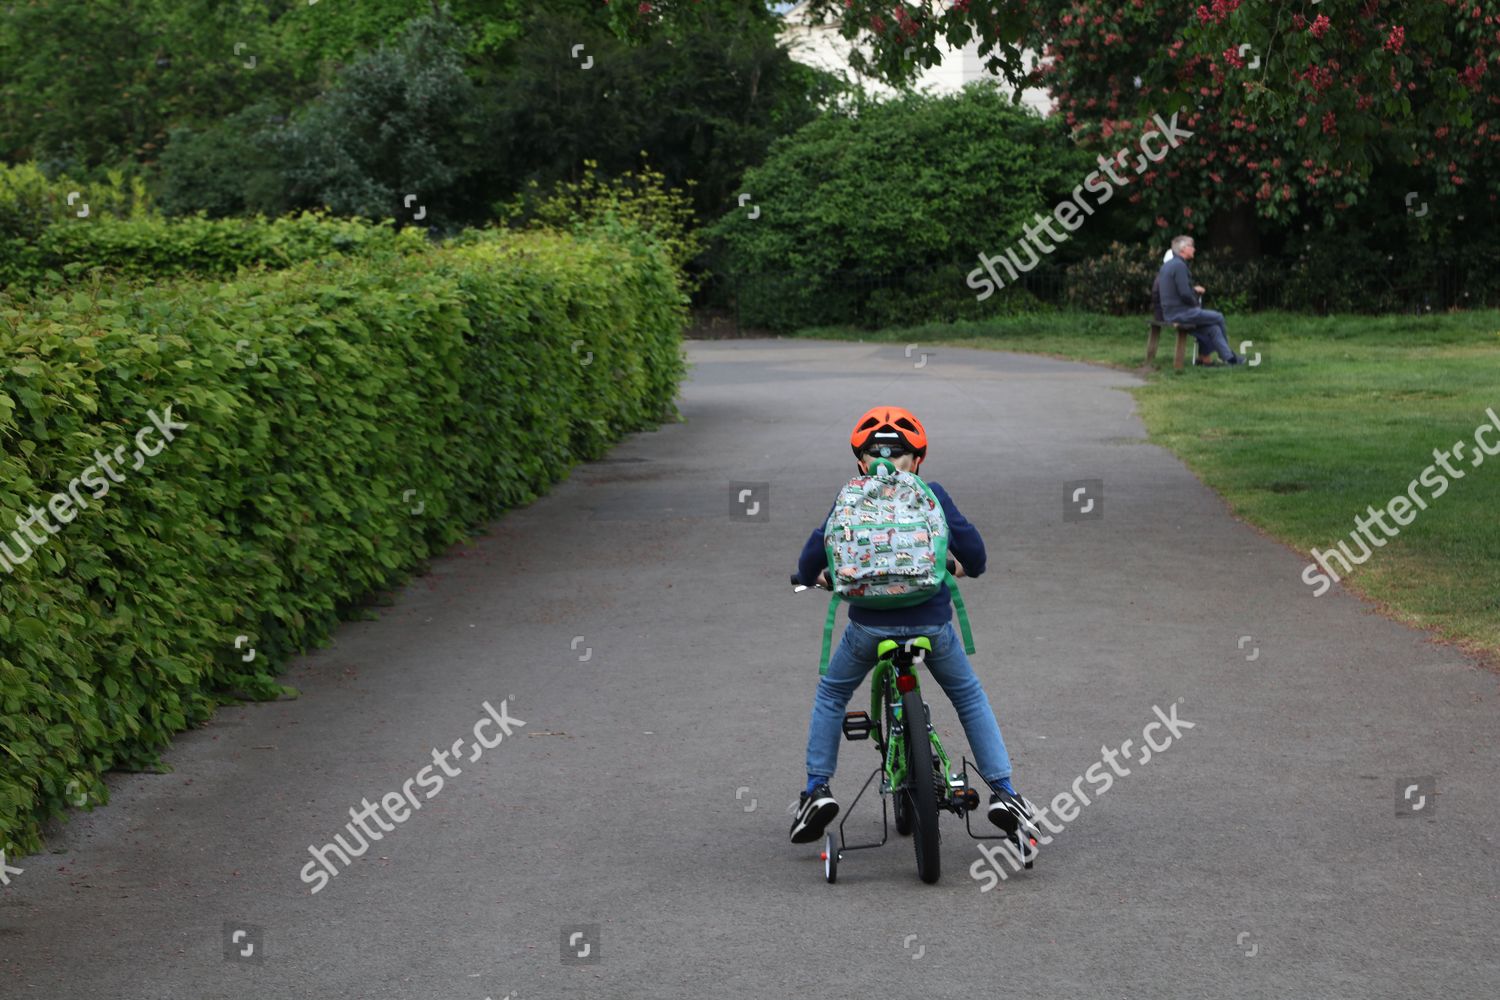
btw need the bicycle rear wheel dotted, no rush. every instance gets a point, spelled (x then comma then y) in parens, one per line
(921, 788)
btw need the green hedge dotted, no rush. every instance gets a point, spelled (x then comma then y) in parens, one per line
(316, 397)
(155, 248)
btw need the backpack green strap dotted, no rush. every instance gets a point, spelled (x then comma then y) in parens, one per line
(958, 605)
(833, 611)
(963, 614)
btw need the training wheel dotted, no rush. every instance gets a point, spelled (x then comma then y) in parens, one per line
(1028, 848)
(830, 859)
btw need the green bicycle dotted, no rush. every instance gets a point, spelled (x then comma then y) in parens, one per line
(915, 772)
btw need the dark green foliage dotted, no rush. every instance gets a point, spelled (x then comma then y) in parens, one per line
(704, 100)
(316, 397)
(225, 169)
(98, 82)
(402, 122)
(877, 216)
(268, 107)
(1117, 281)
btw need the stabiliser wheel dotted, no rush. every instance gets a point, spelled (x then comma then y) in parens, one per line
(1026, 846)
(830, 858)
(921, 789)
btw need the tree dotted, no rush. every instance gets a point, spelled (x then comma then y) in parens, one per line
(703, 100)
(402, 125)
(1326, 72)
(96, 82)
(1257, 165)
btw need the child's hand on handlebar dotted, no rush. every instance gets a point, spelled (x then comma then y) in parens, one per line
(958, 568)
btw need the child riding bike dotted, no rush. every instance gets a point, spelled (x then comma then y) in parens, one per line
(893, 433)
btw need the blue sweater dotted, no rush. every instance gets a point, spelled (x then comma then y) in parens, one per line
(963, 542)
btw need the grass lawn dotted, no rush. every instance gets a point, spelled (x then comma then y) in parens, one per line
(1342, 412)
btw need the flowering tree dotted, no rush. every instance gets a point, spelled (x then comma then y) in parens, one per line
(1296, 102)
(1111, 66)
(1378, 119)
(1355, 84)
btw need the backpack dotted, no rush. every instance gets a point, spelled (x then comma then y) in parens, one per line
(887, 541)
(887, 546)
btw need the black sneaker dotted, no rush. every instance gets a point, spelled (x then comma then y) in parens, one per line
(1012, 812)
(814, 813)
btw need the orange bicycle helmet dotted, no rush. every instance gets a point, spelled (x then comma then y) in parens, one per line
(890, 425)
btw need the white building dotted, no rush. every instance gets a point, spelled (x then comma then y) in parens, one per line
(821, 46)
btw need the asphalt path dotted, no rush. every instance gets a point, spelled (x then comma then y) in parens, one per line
(627, 837)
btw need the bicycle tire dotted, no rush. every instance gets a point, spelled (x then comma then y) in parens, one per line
(920, 788)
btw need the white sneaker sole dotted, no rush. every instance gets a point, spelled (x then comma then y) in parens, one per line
(810, 827)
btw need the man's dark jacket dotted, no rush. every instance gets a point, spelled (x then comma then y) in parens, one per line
(1179, 303)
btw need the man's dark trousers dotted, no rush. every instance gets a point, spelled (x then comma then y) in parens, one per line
(1208, 327)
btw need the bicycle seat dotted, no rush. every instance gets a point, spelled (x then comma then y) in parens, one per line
(904, 650)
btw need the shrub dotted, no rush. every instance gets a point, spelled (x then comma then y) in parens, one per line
(642, 201)
(30, 201)
(224, 169)
(1118, 281)
(400, 121)
(900, 197)
(315, 397)
(1236, 286)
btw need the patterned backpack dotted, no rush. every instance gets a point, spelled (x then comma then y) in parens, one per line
(887, 545)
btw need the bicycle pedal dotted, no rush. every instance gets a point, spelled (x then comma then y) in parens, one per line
(857, 725)
(966, 798)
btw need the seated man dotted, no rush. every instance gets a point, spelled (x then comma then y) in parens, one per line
(1179, 304)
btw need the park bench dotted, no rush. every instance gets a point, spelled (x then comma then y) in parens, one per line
(1157, 322)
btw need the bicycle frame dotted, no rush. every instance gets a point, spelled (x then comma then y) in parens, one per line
(892, 676)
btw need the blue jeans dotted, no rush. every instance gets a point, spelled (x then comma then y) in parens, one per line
(1208, 328)
(855, 657)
